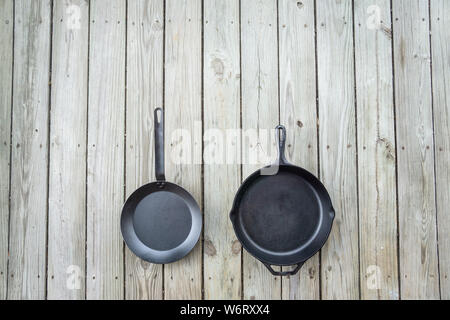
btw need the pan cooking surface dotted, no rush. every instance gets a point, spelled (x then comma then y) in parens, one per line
(280, 213)
(162, 220)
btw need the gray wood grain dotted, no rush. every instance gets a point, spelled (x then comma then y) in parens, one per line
(183, 111)
(99, 89)
(416, 183)
(6, 59)
(376, 150)
(298, 114)
(105, 165)
(145, 42)
(337, 146)
(440, 48)
(221, 74)
(28, 216)
(67, 166)
(259, 111)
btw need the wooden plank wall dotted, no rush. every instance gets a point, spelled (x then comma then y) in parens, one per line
(67, 166)
(6, 59)
(440, 48)
(183, 111)
(105, 150)
(29, 156)
(221, 74)
(337, 146)
(376, 150)
(260, 110)
(298, 112)
(145, 45)
(414, 121)
(360, 85)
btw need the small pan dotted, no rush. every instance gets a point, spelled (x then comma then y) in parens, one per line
(282, 218)
(161, 222)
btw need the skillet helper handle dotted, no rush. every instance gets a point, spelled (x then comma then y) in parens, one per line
(284, 273)
(280, 132)
(159, 145)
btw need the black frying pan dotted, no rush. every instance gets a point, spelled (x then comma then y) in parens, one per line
(282, 217)
(161, 222)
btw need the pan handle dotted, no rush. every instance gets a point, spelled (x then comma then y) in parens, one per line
(284, 273)
(159, 144)
(280, 132)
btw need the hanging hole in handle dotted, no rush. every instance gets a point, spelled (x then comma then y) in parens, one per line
(280, 131)
(158, 114)
(280, 134)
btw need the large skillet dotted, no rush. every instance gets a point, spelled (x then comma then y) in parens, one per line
(282, 216)
(160, 222)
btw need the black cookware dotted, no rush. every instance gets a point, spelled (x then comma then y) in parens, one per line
(282, 214)
(161, 222)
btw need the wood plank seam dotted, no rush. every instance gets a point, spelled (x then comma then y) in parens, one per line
(440, 44)
(316, 79)
(163, 297)
(125, 96)
(434, 147)
(87, 153)
(396, 153)
(241, 175)
(48, 149)
(9, 16)
(356, 146)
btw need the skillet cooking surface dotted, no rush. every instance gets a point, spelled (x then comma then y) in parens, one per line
(162, 220)
(280, 213)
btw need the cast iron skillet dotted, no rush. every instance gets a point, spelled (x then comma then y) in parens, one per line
(282, 217)
(160, 222)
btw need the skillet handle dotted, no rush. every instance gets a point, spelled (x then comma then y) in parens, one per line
(284, 273)
(159, 144)
(280, 133)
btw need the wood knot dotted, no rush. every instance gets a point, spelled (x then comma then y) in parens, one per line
(311, 272)
(236, 247)
(210, 250)
(218, 67)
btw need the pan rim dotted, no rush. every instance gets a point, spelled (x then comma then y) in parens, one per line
(147, 253)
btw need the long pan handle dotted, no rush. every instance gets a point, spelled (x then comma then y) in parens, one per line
(159, 144)
(280, 132)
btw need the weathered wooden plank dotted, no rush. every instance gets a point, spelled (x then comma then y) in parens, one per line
(67, 166)
(440, 48)
(298, 114)
(259, 111)
(337, 150)
(376, 150)
(6, 58)
(183, 109)
(105, 171)
(222, 252)
(27, 251)
(416, 183)
(145, 42)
